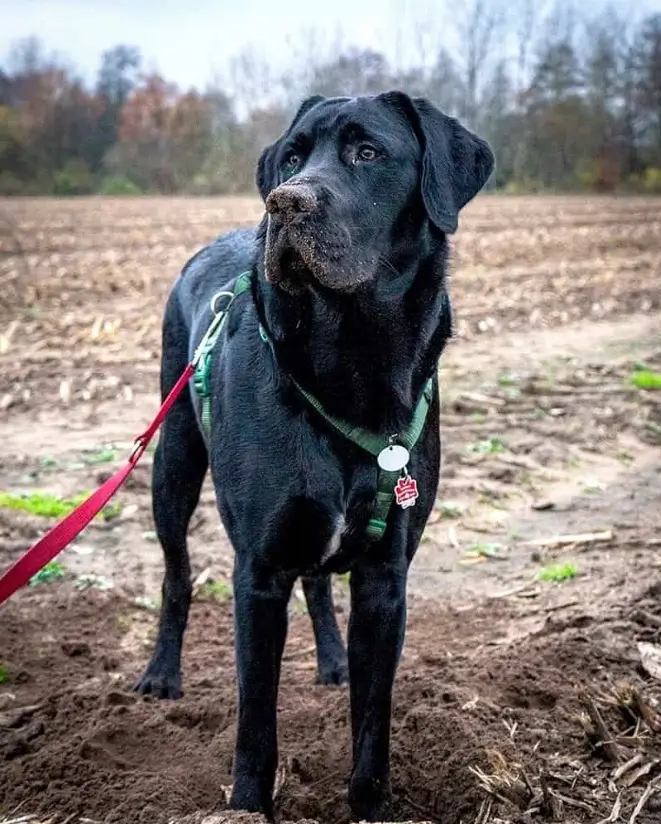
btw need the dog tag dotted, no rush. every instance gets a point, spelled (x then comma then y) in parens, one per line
(393, 458)
(406, 491)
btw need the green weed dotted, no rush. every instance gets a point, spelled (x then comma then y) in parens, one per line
(4, 674)
(110, 511)
(47, 505)
(53, 571)
(220, 591)
(300, 607)
(149, 604)
(93, 581)
(507, 379)
(489, 446)
(43, 504)
(101, 456)
(646, 379)
(557, 573)
(486, 550)
(448, 509)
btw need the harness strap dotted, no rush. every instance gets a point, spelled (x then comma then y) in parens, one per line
(374, 443)
(202, 376)
(369, 441)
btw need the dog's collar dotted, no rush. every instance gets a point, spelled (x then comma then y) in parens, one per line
(375, 444)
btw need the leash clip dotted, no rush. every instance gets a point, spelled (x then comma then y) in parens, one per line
(138, 444)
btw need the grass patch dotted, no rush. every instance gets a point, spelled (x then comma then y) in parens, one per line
(110, 511)
(448, 509)
(100, 456)
(486, 550)
(645, 379)
(625, 457)
(489, 446)
(507, 379)
(4, 674)
(93, 581)
(493, 499)
(43, 504)
(300, 606)
(146, 603)
(53, 571)
(47, 505)
(344, 577)
(557, 573)
(220, 591)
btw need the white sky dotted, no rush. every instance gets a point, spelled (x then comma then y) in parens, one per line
(188, 41)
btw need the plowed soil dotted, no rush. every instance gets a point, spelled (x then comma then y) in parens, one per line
(519, 698)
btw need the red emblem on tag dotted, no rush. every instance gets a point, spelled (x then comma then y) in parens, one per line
(406, 491)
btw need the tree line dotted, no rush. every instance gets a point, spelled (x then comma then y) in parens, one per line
(568, 103)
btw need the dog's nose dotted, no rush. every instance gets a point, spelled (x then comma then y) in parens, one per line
(290, 200)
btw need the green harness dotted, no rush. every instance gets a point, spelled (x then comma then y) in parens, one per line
(369, 441)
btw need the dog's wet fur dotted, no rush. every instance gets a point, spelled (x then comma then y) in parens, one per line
(349, 267)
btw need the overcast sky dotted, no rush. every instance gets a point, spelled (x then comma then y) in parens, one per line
(188, 41)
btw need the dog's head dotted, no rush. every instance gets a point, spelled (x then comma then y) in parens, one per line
(352, 179)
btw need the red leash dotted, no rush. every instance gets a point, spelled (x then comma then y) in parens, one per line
(61, 535)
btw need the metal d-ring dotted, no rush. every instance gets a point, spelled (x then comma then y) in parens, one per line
(215, 297)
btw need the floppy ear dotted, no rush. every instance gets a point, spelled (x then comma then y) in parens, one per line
(266, 166)
(455, 162)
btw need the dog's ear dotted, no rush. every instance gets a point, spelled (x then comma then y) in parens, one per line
(455, 162)
(267, 172)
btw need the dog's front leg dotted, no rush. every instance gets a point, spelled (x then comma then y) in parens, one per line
(260, 619)
(376, 636)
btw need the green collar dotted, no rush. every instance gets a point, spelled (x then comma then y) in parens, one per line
(375, 444)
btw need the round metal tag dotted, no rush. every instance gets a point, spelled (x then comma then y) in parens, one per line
(393, 458)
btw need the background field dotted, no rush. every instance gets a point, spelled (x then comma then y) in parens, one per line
(505, 675)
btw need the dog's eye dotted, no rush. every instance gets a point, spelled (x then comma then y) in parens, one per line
(292, 159)
(367, 153)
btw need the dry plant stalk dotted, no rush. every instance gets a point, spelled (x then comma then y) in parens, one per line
(504, 782)
(598, 732)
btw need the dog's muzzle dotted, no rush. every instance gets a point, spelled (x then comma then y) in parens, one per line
(291, 201)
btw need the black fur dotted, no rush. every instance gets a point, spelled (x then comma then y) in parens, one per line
(350, 263)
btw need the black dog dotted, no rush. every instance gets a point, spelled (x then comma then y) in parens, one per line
(342, 323)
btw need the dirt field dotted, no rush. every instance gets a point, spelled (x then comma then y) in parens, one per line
(524, 693)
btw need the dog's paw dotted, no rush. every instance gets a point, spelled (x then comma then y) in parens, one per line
(333, 675)
(370, 799)
(159, 685)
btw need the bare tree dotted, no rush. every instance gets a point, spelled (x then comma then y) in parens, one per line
(251, 82)
(478, 23)
(527, 16)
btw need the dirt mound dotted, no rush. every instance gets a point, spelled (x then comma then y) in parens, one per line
(468, 716)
